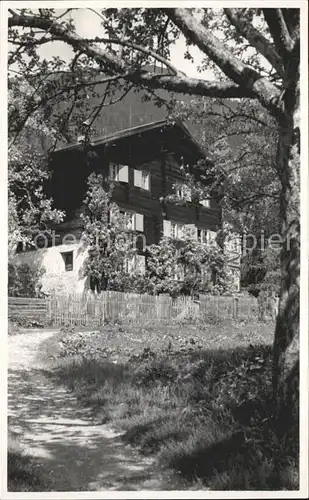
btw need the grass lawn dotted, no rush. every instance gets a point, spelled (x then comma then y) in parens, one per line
(198, 396)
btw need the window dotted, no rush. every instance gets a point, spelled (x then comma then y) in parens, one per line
(113, 172)
(202, 235)
(205, 274)
(180, 273)
(142, 179)
(233, 245)
(126, 219)
(119, 173)
(68, 260)
(205, 203)
(132, 221)
(129, 264)
(140, 264)
(173, 229)
(211, 236)
(182, 191)
(136, 263)
(145, 180)
(206, 236)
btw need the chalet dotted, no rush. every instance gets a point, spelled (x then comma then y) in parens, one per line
(145, 163)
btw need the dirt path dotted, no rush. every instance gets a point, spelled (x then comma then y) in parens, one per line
(76, 452)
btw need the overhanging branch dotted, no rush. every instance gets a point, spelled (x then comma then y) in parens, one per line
(115, 66)
(139, 48)
(223, 57)
(256, 39)
(279, 31)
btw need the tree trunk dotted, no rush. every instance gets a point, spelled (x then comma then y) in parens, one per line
(286, 342)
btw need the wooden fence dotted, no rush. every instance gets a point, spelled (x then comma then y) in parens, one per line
(95, 310)
(24, 307)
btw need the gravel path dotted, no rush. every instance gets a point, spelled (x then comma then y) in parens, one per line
(76, 452)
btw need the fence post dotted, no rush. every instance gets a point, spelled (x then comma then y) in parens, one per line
(236, 307)
(49, 308)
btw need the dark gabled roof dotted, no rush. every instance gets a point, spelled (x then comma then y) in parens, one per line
(140, 129)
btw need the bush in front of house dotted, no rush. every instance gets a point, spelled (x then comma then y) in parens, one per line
(23, 281)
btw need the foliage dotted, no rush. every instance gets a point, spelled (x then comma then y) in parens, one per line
(23, 281)
(13, 327)
(254, 54)
(126, 53)
(105, 234)
(195, 396)
(262, 271)
(240, 136)
(18, 323)
(240, 140)
(187, 267)
(111, 246)
(30, 210)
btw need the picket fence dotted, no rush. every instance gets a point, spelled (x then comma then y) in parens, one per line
(95, 310)
(28, 308)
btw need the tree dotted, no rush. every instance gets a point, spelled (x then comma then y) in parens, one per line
(261, 271)
(240, 139)
(268, 72)
(107, 236)
(23, 281)
(30, 210)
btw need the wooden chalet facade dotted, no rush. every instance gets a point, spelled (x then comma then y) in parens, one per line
(144, 163)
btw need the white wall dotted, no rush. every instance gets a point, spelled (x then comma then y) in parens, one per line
(56, 277)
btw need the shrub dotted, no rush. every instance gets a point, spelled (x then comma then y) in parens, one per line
(17, 322)
(23, 281)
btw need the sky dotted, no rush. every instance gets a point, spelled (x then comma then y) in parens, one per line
(87, 25)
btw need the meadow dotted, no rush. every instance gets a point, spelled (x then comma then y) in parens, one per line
(195, 395)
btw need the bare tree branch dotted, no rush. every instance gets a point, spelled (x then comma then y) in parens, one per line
(139, 48)
(67, 117)
(112, 64)
(96, 12)
(256, 39)
(224, 58)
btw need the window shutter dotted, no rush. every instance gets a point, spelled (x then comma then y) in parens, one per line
(166, 228)
(180, 231)
(123, 173)
(137, 178)
(212, 235)
(139, 222)
(140, 264)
